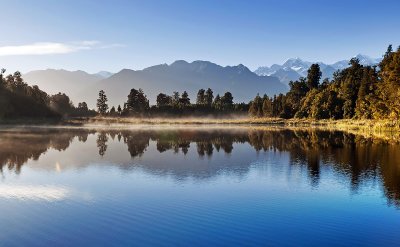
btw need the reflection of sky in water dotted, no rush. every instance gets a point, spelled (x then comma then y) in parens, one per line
(245, 197)
(22, 192)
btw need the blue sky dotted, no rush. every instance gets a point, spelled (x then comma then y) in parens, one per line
(110, 35)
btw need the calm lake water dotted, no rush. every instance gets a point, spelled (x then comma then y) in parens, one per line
(203, 186)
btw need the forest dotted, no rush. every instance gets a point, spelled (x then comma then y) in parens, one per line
(18, 100)
(356, 92)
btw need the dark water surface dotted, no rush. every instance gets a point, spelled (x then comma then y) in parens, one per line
(202, 186)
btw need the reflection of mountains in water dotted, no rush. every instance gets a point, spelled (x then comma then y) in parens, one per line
(354, 156)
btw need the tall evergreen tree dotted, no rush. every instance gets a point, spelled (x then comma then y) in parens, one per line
(209, 97)
(175, 99)
(313, 76)
(227, 101)
(267, 107)
(102, 106)
(184, 100)
(389, 51)
(2, 71)
(390, 85)
(200, 100)
(217, 104)
(349, 81)
(112, 111)
(256, 107)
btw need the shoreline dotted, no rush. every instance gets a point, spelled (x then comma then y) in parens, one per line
(383, 125)
(387, 129)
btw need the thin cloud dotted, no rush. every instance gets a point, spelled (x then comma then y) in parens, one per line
(47, 48)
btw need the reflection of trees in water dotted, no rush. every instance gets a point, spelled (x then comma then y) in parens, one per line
(102, 143)
(359, 158)
(137, 142)
(204, 148)
(356, 157)
(179, 141)
(16, 148)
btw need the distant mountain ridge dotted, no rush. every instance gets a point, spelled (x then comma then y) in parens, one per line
(294, 68)
(71, 83)
(179, 76)
(184, 76)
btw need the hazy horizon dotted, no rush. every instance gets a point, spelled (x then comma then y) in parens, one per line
(189, 61)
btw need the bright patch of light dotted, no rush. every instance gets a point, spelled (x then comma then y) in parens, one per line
(23, 192)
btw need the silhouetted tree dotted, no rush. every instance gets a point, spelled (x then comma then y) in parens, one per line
(200, 100)
(112, 111)
(163, 100)
(102, 106)
(209, 96)
(217, 104)
(137, 103)
(61, 103)
(184, 100)
(175, 99)
(227, 101)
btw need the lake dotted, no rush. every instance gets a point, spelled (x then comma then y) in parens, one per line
(197, 186)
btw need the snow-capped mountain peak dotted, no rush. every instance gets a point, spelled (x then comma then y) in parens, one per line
(366, 60)
(294, 68)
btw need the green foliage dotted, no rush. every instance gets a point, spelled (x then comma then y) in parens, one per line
(313, 76)
(256, 107)
(356, 92)
(298, 89)
(366, 98)
(267, 107)
(227, 101)
(389, 88)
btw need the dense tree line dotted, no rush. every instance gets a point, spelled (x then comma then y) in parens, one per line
(177, 104)
(357, 92)
(19, 100)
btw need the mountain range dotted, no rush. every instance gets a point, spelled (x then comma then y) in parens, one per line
(179, 76)
(295, 68)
